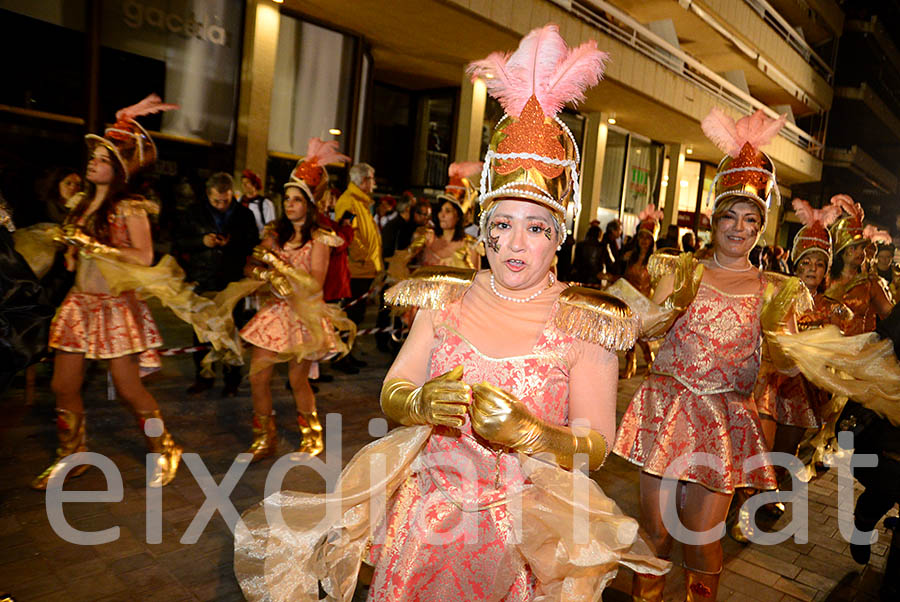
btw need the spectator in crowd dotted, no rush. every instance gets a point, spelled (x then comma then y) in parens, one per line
(688, 243)
(884, 260)
(365, 258)
(611, 246)
(564, 267)
(56, 189)
(392, 229)
(780, 262)
(385, 210)
(589, 258)
(215, 238)
(252, 198)
(671, 239)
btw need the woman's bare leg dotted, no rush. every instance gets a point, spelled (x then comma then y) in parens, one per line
(68, 376)
(261, 381)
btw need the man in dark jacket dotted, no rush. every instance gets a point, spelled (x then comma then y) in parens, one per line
(213, 240)
(588, 264)
(610, 244)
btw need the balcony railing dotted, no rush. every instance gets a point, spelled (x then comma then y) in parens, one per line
(619, 25)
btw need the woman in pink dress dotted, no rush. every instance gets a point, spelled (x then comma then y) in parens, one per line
(477, 498)
(296, 325)
(93, 322)
(692, 424)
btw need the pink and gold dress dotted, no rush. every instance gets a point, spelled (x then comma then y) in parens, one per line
(93, 321)
(277, 326)
(697, 398)
(791, 399)
(857, 293)
(461, 521)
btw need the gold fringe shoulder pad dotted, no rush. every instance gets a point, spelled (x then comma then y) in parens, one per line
(137, 206)
(431, 287)
(662, 262)
(597, 318)
(327, 237)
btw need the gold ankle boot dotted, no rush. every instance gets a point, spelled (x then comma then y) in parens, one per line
(71, 435)
(701, 586)
(647, 588)
(264, 437)
(630, 363)
(159, 441)
(311, 430)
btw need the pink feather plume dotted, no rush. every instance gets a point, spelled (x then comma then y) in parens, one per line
(877, 235)
(650, 212)
(846, 204)
(151, 104)
(465, 169)
(544, 67)
(729, 136)
(322, 153)
(808, 216)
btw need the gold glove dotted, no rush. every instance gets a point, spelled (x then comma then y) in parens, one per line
(687, 283)
(441, 401)
(499, 417)
(775, 317)
(278, 282)
(279, 265)
(76, 237)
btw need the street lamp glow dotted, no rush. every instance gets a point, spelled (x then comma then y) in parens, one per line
(335, 132)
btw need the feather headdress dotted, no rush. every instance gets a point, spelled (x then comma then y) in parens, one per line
(730, 136)
(543, 67)
(311, 169)
(320, 152)
(650, 212)
(464, 169)
(152, 104)
(846, 204)
(808, 215)
(813, 236)
(847, 230)
(877, 235)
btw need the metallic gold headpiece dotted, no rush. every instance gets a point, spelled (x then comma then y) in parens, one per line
(310, 170)
(532, 154)
(648, 220)
(745, 171)
(462, 184)
(814, 235)
(848, 230)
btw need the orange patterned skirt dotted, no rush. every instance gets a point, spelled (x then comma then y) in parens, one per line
(790, 400)
(103, 326)
(668, 426)
(277, 328)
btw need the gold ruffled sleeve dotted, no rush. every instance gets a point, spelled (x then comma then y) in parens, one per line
(137, 206)
(38, 246)
(661, 263)
(860, 367)
(430, 287)
(597, 318)
(327, 237)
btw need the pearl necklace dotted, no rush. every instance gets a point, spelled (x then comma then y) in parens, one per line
(727, 269)
(514, 299)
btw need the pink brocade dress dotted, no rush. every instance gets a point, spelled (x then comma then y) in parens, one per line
(101, 325)
(697, 398)
(462, 486)
(275, 326)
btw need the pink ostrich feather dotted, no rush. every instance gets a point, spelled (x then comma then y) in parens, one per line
(544, 67)
(808, 215)
(845, 203)
(321, 152)
(650, 212)
(151, 104)
(729, 136)
(464, 169)
(877, 235)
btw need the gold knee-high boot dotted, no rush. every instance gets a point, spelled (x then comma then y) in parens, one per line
(71, 435)
(160, 441)
(701, 586)
(311, 430)
(630, 363)
(264, 437)
(647, 588)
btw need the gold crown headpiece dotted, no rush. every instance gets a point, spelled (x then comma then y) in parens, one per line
(533, 154)
(847, 230)
(461, 184)
(648, 220)
(745, 171)
(814, 235)
(310, 174)
(127, 141)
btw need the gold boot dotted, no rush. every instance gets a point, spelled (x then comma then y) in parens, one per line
(70, 432)
(647, 588)
(701, 586)
(630, 363)
(264, 437)
(311, 430)
(159, 441)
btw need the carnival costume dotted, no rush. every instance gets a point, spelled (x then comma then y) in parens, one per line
(696, 403)
(638, 275)
(856, 292)
(295, 323)
(401, 501)
(104, 315)
(790, 399)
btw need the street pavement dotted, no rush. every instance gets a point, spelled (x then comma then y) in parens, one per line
(37, 564)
